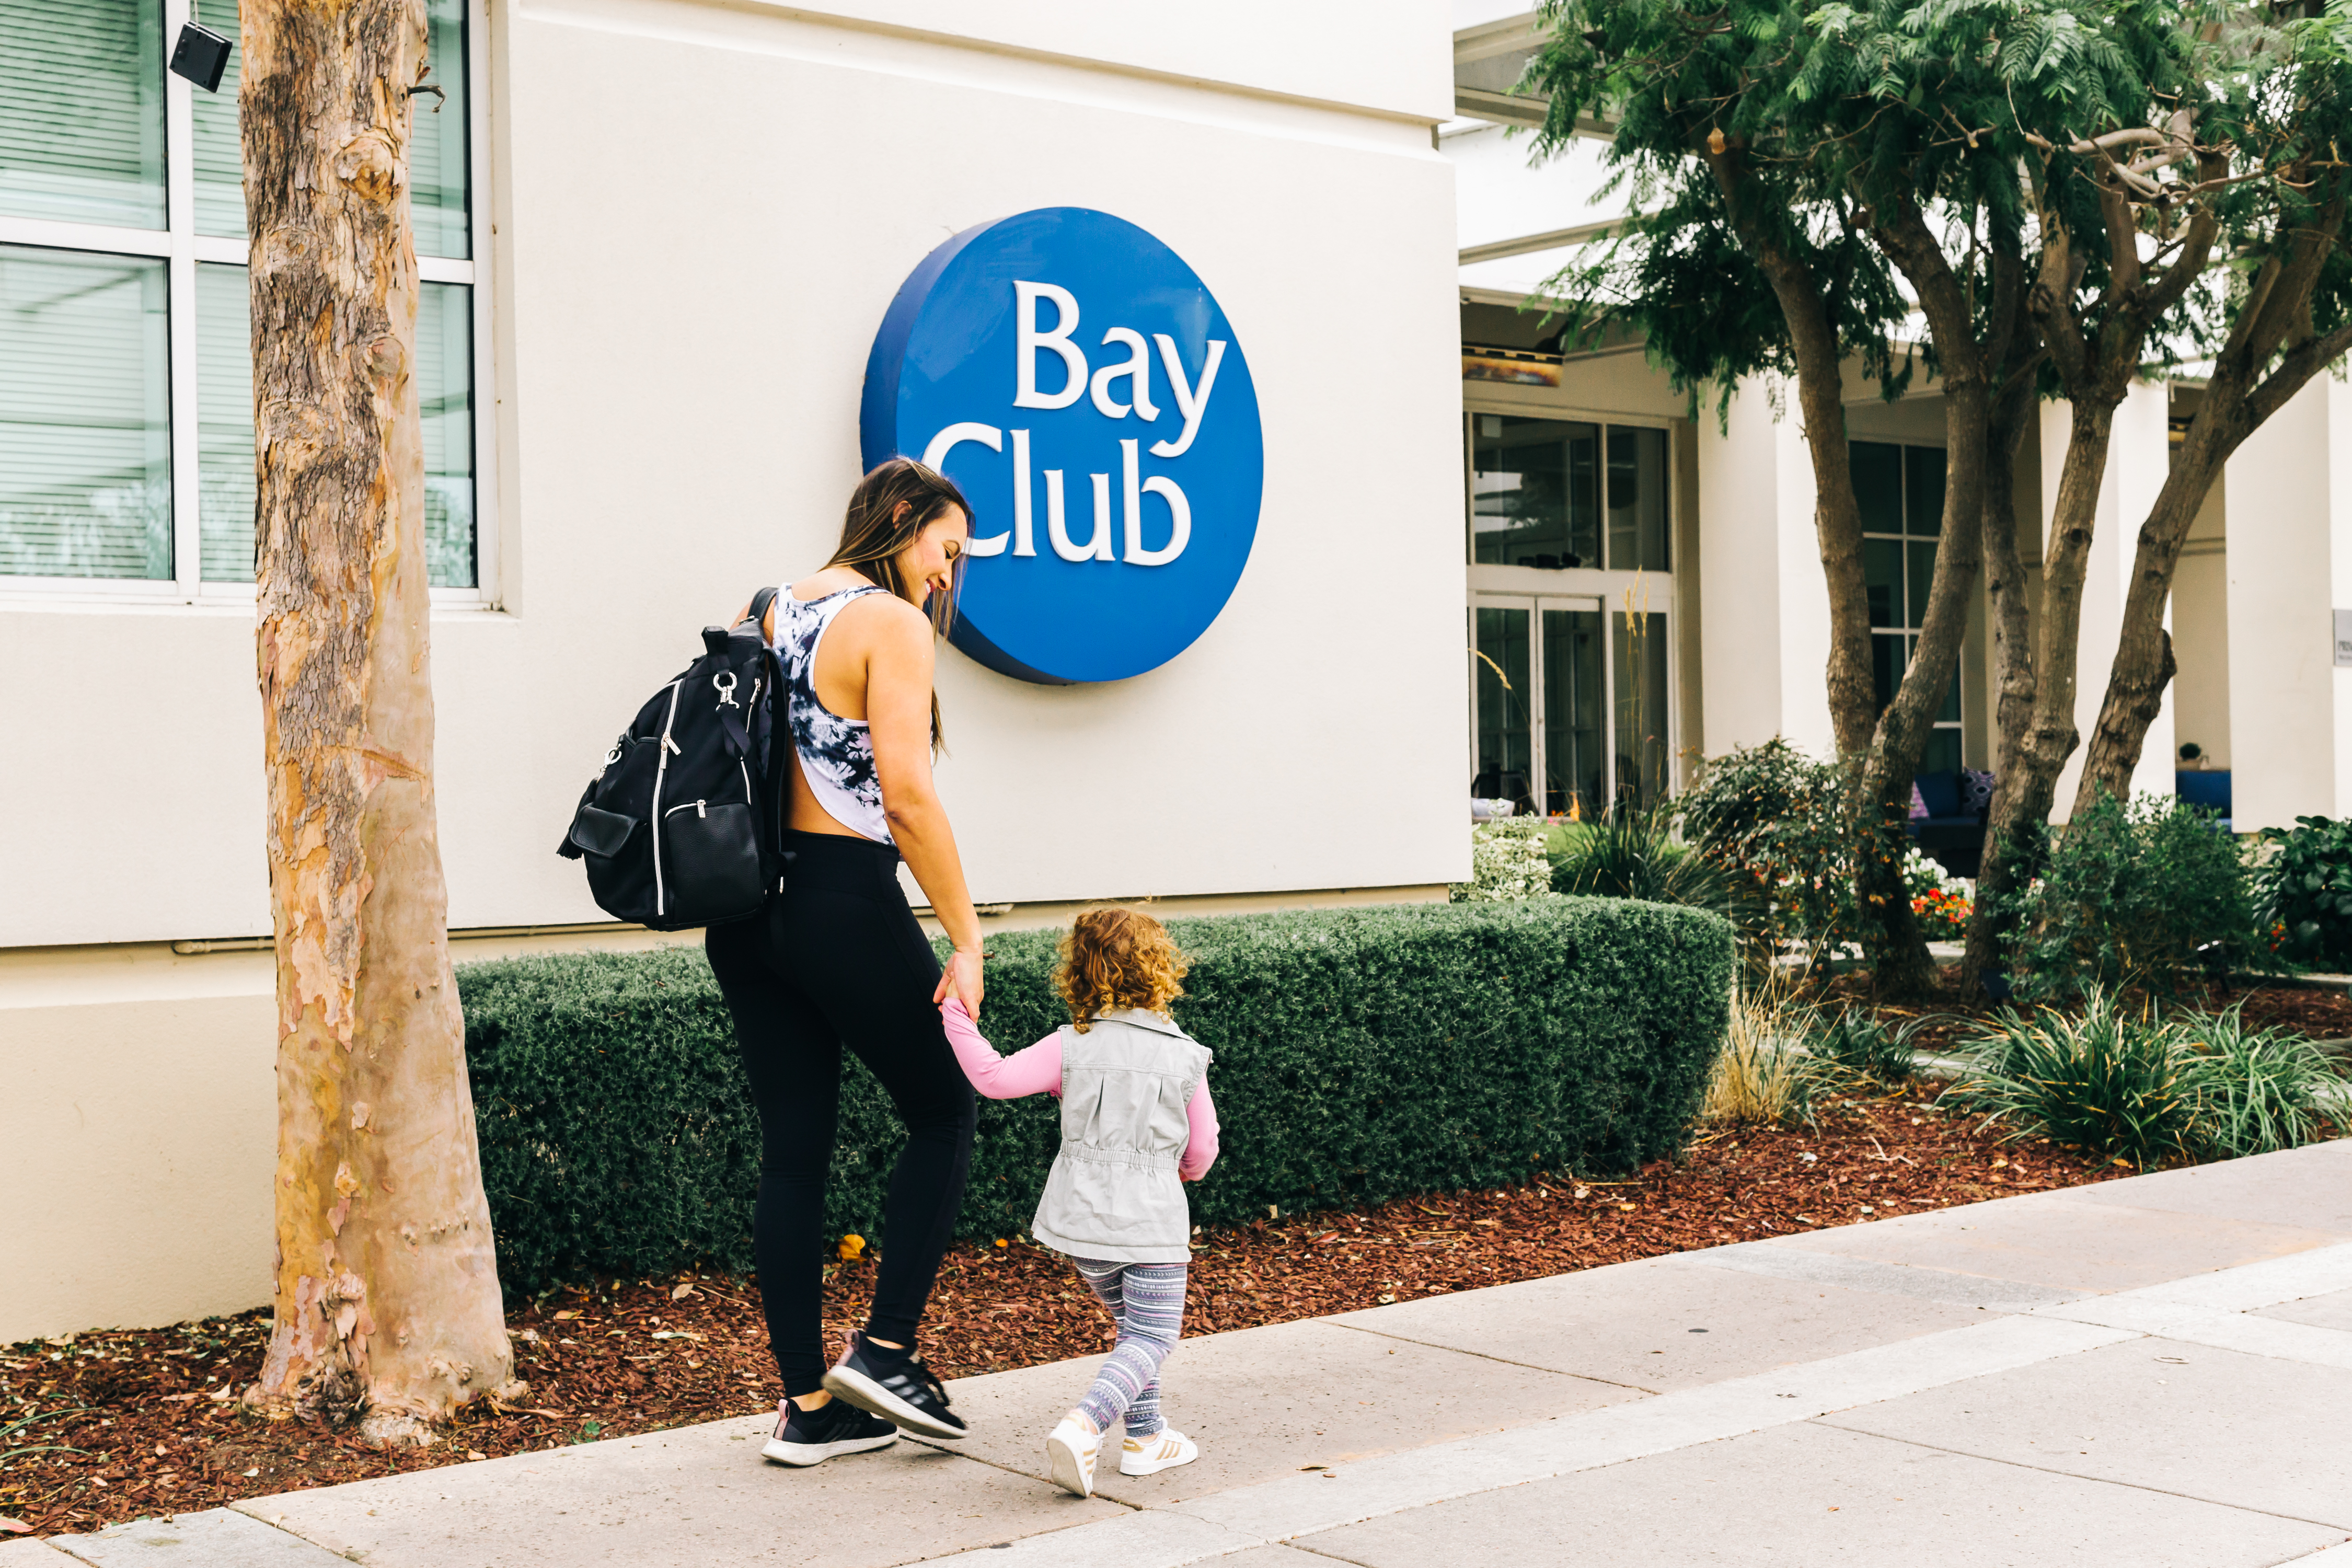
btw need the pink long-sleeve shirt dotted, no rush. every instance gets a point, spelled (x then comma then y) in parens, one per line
(1037, 1069)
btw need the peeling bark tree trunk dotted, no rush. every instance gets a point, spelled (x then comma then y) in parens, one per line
(387, 1303)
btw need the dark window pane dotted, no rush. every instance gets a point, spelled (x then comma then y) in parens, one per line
(1885, 666)
(1941, 754)
(1921, 555)
(1882, 572)
(1534, 491)
(1573, 783)
(1637, 501)
(1878, 486)
(1923, 484)
(1503, 730)
(1640, 654)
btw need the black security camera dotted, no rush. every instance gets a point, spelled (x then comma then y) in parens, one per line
(201, 56)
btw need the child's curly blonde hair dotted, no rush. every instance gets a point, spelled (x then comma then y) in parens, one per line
(1115, 958)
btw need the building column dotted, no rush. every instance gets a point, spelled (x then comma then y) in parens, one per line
(1765, 637)
(2139, 451)
(2290, 562)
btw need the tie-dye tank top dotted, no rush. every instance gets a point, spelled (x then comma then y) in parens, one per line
(836, 754)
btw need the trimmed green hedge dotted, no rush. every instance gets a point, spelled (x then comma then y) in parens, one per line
(1362, 1054)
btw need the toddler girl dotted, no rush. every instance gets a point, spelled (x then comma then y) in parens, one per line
(1136, 1123)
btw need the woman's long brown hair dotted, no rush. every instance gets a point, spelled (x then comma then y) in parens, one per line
(889, 508)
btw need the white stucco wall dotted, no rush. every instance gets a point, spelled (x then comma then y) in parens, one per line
(2290, 562)
(700, 214)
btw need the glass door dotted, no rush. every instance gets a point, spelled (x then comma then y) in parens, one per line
(1576, 770)
(1501, 656)
(1539, 669)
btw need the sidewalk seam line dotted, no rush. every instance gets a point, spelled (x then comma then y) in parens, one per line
(2077, 1475)
(1500, 1360)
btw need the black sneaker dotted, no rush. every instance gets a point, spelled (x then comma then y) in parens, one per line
(895, 1385)
(813, 1436)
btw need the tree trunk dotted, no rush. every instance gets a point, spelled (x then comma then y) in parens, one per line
(2275, 314)
(2024, 793)
(2005, 589)
(387, 1304)
(1821, 398)
(1900, 964)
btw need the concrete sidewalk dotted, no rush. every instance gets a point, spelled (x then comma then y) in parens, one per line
(2156, 1371)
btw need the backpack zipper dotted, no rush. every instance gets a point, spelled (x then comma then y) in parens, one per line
(661, 771)
(744, 764)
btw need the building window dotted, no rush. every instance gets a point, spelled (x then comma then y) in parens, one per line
(1546, 492)
(1900, 490)
(126, 379)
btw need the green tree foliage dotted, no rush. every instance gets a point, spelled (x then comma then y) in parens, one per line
(2071, 191)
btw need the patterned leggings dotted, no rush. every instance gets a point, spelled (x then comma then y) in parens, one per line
(1147, 1301)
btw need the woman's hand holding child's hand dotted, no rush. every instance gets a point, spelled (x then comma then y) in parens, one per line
(961, 981)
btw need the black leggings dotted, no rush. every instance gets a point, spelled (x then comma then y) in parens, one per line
(839, 960)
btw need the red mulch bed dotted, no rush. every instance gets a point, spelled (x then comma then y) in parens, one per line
(1950, 1017)
(627, 1356)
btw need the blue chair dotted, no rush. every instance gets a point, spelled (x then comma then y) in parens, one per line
(2208, 787)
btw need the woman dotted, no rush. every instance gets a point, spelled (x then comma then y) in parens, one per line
(840, 961)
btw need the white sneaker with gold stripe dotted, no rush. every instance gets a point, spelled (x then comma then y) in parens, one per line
(1070, 1454)
(1163, 1450)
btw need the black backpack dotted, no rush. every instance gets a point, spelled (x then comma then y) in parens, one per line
(682, 828)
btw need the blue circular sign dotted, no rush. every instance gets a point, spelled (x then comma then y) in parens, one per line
(1079, 383)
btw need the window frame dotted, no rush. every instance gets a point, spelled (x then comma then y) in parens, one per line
(1612, 590)
(1905, 540)
(181, 249)
(1566, 579)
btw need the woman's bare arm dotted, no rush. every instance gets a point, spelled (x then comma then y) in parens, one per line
(898, 658)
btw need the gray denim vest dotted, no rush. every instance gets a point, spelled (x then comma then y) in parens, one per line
(1114, 1194)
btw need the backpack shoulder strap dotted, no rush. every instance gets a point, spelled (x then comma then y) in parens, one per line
(758, 614)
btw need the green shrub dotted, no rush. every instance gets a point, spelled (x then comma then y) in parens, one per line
(2096, 1079)
(1632, 852)
(2142, 896)
(2305, 892)
(1362, 1055)
(1862, 1044)
(2255, 1091)
(1773, 820)
(1508, 861)
(2147, 1089)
